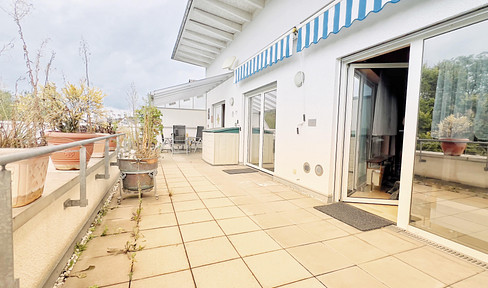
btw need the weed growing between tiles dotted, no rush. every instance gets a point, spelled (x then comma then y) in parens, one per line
(81, 246)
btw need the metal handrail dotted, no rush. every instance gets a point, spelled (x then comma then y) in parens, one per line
(7, 278)
(421, 141)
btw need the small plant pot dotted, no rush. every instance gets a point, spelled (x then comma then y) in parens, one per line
(69, 159)
(454, 148)
(138, 174)
(28, 177)
(112, 145)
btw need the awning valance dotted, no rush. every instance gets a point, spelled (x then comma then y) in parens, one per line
(334, 17)
(188, 90)
(276, 51)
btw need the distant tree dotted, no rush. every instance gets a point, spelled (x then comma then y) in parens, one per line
(6, 101)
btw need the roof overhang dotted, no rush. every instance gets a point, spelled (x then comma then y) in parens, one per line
(185, 91)
(208, 27)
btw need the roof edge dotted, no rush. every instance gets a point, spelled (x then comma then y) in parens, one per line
(183, 23)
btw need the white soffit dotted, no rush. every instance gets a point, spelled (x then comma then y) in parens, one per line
(188, 90)
(209, 26)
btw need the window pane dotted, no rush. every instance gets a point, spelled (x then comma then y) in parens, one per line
(450, 189)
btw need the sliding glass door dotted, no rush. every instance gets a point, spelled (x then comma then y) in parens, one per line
(261, 127)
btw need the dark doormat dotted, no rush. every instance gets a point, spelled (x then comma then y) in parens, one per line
(353, 216)
(239, 171)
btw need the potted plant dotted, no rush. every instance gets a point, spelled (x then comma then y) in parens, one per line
(69, 115)
(104, 129)
(453, 131)
(138, 160)
(21, 129)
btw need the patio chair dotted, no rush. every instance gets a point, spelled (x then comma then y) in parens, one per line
(195, 142)
(166, 143)
(179, 138)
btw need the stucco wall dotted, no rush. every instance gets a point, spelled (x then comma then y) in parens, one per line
(318, 97)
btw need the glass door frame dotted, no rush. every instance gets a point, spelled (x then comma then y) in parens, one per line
(247, 128)
(343, 173)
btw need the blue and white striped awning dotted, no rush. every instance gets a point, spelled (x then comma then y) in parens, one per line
(276, 51)
(330, 19)
(334, 17)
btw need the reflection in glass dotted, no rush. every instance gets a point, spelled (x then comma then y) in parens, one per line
(269, 130)
(254, 129)
(450, 189)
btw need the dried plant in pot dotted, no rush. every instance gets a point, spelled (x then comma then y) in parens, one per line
(138, 160)
(21, 129)
(104, 128)
(69, 114)
(453, 131)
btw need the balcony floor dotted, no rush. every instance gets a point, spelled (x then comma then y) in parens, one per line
(245, 230)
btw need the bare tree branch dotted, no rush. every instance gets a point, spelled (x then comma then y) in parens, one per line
(48, 67)
(85, 53)
(6, 47)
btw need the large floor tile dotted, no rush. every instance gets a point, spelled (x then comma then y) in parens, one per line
(356, 249)
(210, 251)
(229, 274)
(293, 235)
(226, 212)
(276, 268)
(157, 221)
(350, 277)
(217, 202)
(307, 283)
(386, 241)
(271, 220)
(323, 230)
(158, 261)
(98, 246)
(253, 243)
(395, 273)
(477, 281)
(237, 225)
(193, 216)
(198, 231)
(319, 258)
(188, 205)
(160, 237)
(182, 279)
(428, 260)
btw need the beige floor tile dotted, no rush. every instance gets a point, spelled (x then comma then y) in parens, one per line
(185, 197)
(211, 194)
(156, 209)
(114, 226)
(477, 281)
(180, 279)
(386, 242)
(355, 249)
(181, 190)
(205, 188)
(307, 283)
(161, 260)
(282, 206)
(108, 270)
(188, 205)
(287, 194)
(217, 202)
(243, 200)
(290, 236)
(428, 260)
(210, 251)
(237, 225)
(344, 226)
(318, 213)
(193, 216)
(157, 221)
(98, 246)
(229, 274)
(395, 273)
(198, 231)
(226, 212)
(323, 230)
(299, 216)
(276, 268)
(253, 243)
(118, 212)
(318, 258)
(350, 277)
(271, 220)
(160, 237)
(306, 202)
(255, 208)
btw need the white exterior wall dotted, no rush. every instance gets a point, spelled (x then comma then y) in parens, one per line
(318, 97)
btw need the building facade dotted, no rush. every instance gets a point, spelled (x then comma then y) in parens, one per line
(353, 100)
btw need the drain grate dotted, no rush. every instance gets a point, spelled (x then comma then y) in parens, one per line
(455, 253)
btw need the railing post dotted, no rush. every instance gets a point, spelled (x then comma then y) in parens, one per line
(106, 162)
(486, 167)
(6, 232)
(420, 152)
(82, 202)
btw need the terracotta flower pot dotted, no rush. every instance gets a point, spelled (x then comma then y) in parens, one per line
(112, 145)
(454, 148)
(99, 147)
(28, 177)
(69, 159)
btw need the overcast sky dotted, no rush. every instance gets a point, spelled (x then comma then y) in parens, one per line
(129, 41)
